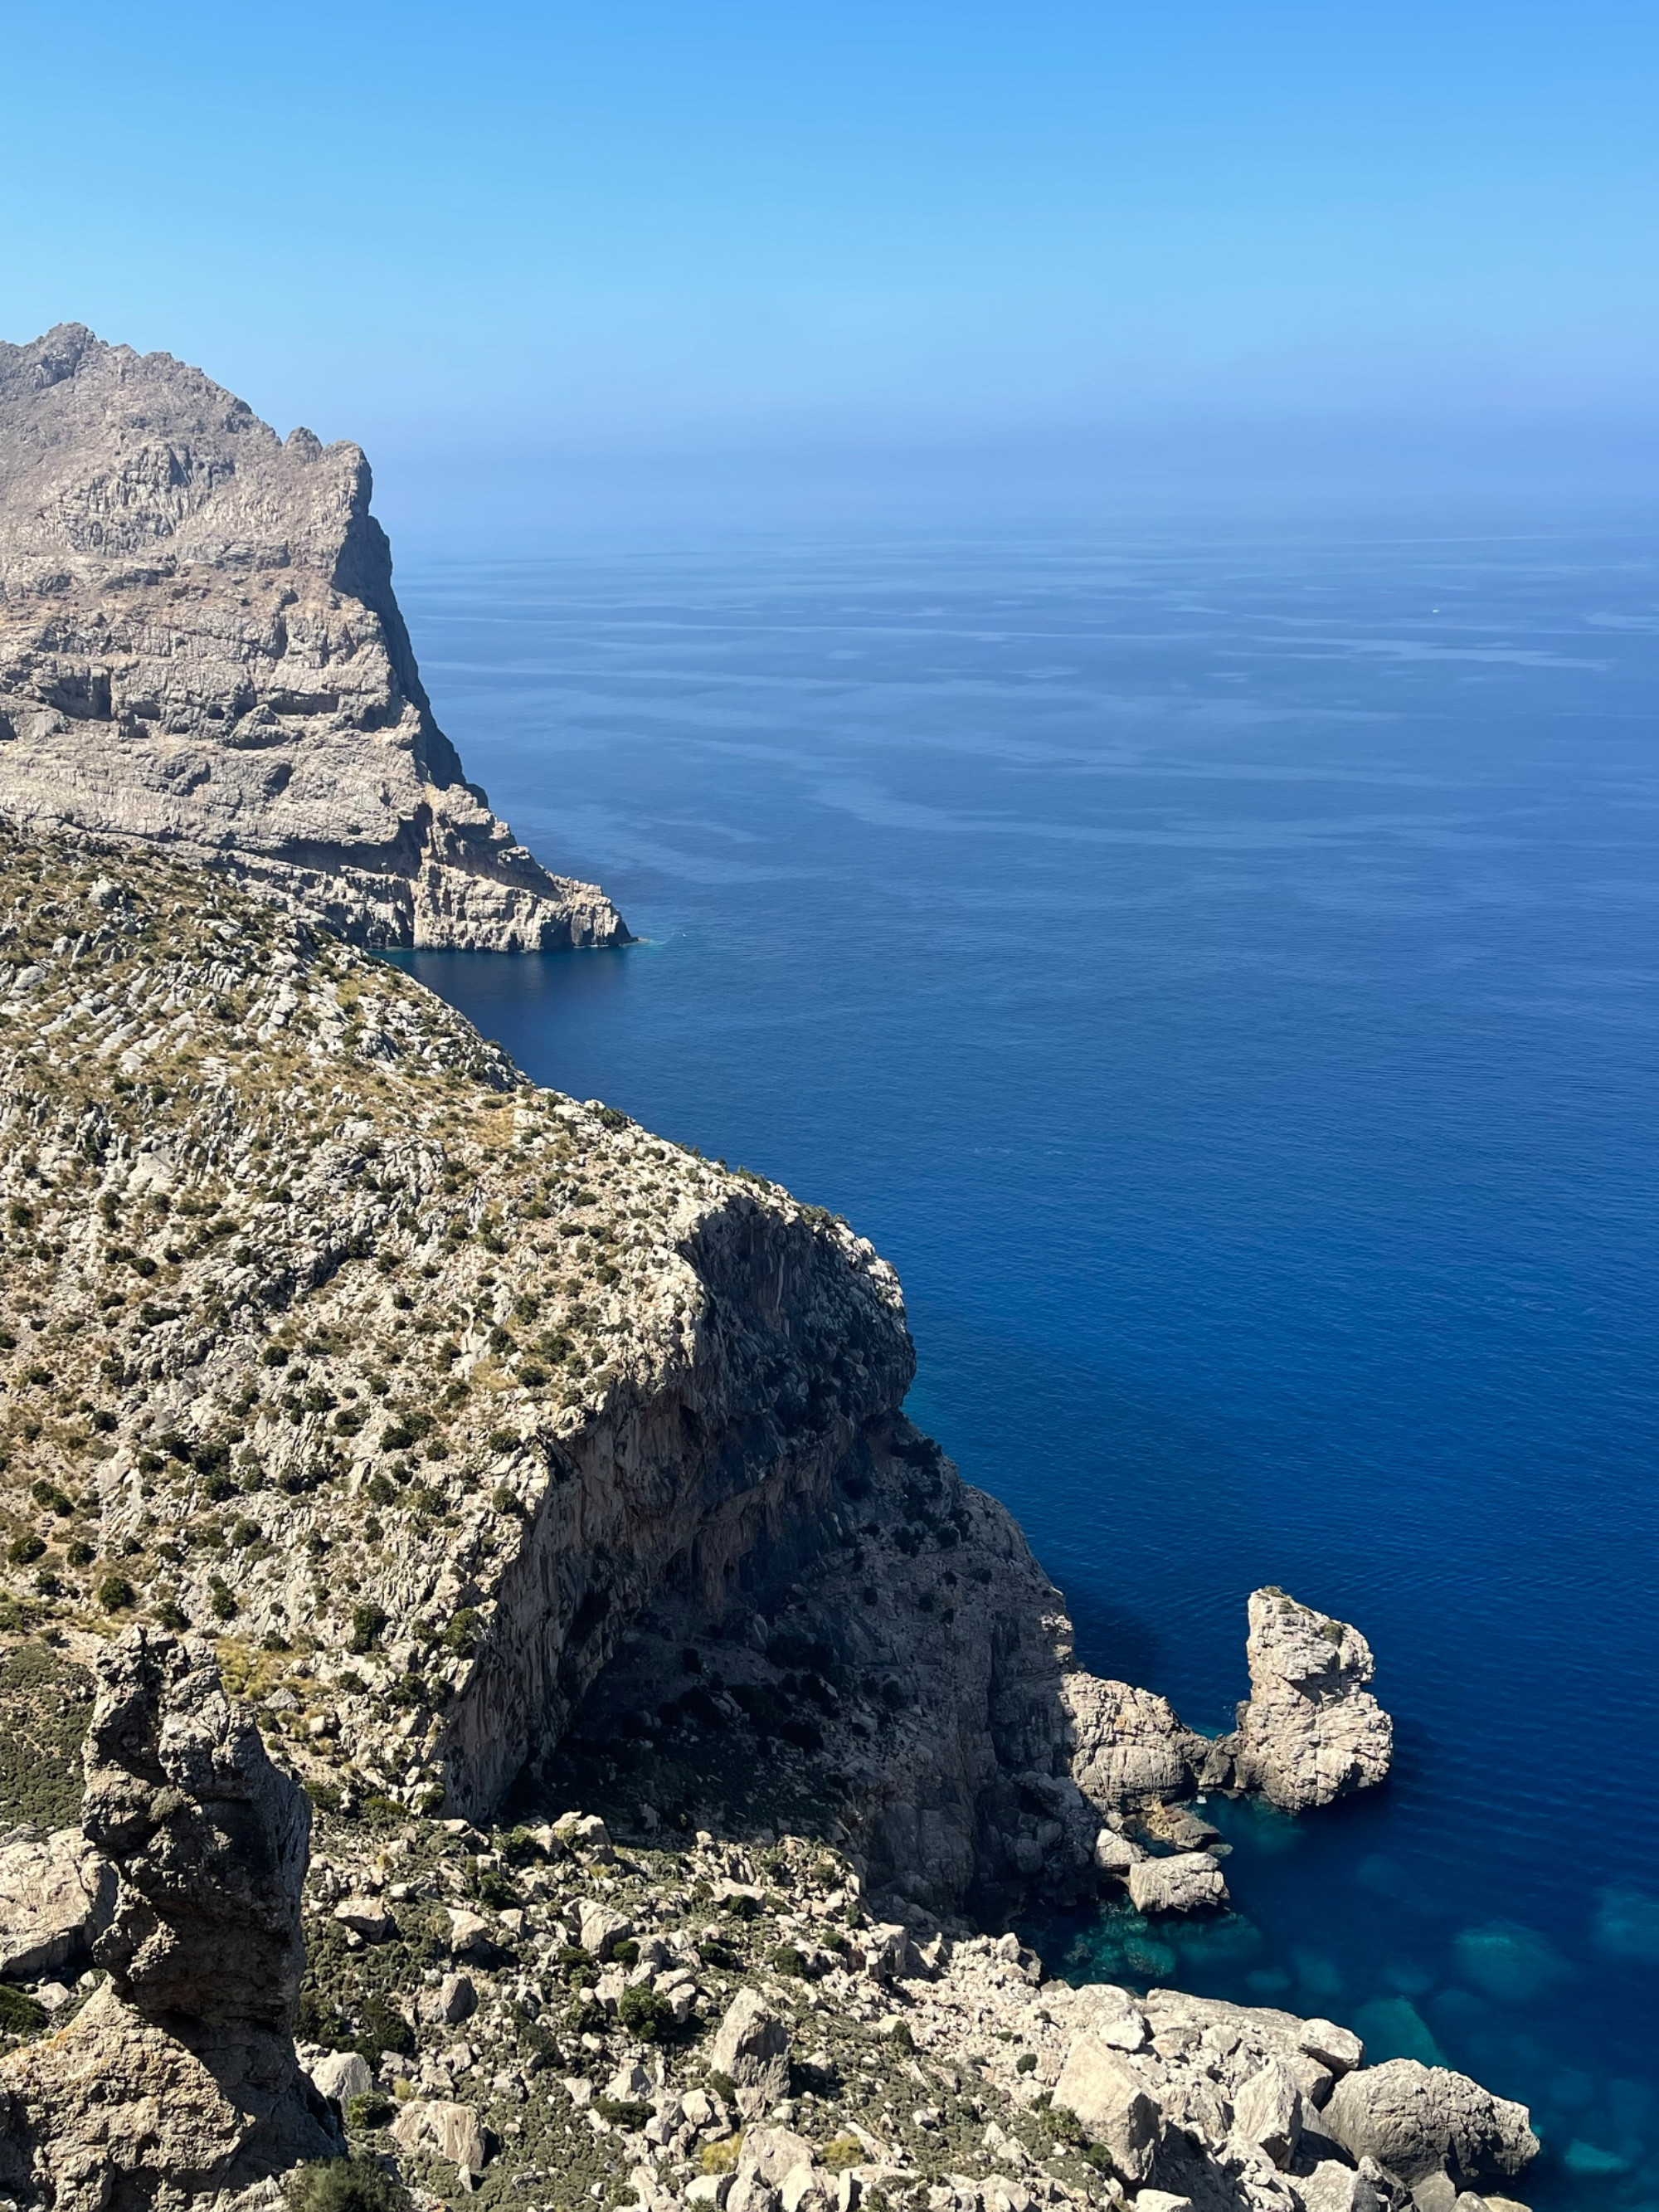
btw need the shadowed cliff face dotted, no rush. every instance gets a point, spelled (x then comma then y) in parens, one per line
(200, 646)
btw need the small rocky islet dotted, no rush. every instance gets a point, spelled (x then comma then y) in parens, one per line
(498, 1700)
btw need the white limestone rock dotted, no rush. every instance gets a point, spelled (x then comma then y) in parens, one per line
(340, 2075)
(56, 1892)
(751, 2048)
(1268, 2112)
(1310, 1730)
(433, 2127)
(1128, 1746)
(1333, 2187)
(1188, 1881)
(1418, 2120)
(1114, 2102)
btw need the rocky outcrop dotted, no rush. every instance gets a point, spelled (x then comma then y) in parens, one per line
(1310, 1730)
(1421, 2120)
(56, 1893)
(200, 649)
(179, 2075)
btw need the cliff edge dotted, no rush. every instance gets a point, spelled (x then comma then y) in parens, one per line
(200, 648)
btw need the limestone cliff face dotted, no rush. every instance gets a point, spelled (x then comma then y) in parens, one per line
(200, 648)
(436, 1395)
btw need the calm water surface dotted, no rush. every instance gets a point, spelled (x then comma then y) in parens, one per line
(1220, 973)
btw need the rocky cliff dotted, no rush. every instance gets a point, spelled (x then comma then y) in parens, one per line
(200, 648)
(515, 1461)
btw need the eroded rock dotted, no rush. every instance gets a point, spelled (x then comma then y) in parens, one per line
(1310, 1730)
(179, 2075)
(1186, 1881)
(1418, 2120)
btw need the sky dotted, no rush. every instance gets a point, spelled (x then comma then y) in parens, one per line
(636, 246)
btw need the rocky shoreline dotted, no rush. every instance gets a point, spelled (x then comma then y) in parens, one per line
(518, 1462)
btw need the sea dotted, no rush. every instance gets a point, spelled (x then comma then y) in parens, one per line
(1216, 964)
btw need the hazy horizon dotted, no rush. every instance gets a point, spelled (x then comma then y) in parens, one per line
(556, 268)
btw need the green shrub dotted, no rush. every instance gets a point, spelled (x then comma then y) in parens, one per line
(116, 1593)
(1026, 2063)
(461, 1636)
(646, 2014)
(368, 2108)
(785, 1959)
(171, 1614)
(222, 1599)
(621, 2111)
(844, 2151)
(23, 1551)
(80, 1553)
(367, 1623)
(347, 2185)
(19, 2015)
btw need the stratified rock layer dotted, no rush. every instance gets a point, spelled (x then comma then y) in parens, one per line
(200, 647)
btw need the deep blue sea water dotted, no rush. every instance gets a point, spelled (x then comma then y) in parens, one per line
(1220, 969)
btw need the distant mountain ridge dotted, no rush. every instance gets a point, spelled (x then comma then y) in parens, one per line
(200, 647)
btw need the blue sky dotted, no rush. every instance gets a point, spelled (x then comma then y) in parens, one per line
(708, 235)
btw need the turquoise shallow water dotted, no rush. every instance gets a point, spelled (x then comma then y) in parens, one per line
(1219, 971)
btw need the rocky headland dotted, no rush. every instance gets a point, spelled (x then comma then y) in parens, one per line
(681, 1732)
(200, 649)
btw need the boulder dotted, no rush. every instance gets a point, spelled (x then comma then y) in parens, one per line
(601, 1929)
(1333, 2187)
(431, 2128)
(453, 2001)
(340, 2075)
(1160, 2200)
(1190, 1881)
(1268, 2112)
(1310, 1730)
(1114, 1854)
(751, 2047)
(366, 1916)
(1127, 1746)
(1112, 2103)
(469, 1933)
(56, 1893)
(773, 2154)
(1418, 2120)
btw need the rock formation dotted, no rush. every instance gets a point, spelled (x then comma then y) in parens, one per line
(178, 2074)
(200, 649)
(1310, 1730)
